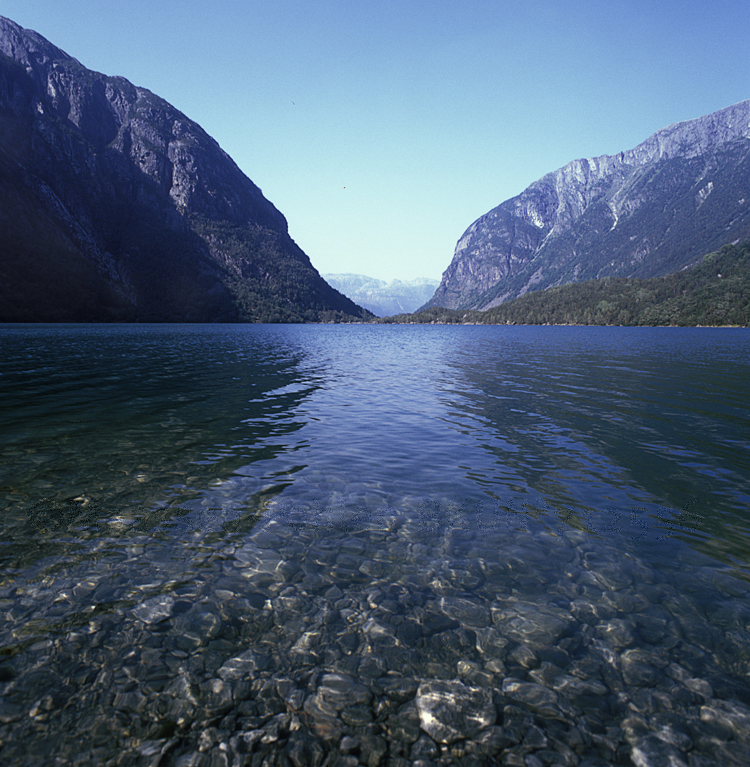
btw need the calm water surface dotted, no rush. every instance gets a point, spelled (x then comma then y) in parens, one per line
(262, 529)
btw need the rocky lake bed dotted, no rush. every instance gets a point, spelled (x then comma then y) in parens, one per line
(384, 645)
(237, 546)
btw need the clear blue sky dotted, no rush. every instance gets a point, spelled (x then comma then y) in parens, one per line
(383, 129)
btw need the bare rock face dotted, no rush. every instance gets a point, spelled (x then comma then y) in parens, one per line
(115, 205)
(647, 212)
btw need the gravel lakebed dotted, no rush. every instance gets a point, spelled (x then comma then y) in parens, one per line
(383, 643)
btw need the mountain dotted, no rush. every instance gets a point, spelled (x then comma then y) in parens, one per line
(115, 206)
(384, 298)
(647, 212)
(715, 291)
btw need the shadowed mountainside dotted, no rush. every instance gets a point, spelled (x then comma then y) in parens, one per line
(115, 206)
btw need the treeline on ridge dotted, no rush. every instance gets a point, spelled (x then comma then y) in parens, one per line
(715, 291)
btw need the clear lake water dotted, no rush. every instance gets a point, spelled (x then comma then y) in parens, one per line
(369, 544)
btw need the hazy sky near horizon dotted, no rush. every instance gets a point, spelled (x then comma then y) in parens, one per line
(383, 129)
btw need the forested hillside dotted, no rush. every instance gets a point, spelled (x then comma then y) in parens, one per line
(714, 292)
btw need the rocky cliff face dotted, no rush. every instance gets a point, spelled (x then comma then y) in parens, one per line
(647, 212)
(116, 206)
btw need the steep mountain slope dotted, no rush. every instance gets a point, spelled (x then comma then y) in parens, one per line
(383, 298)
(115, 206)
(715, 291)
(647, 212)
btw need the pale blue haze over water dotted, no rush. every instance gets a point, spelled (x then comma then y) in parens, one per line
(151, 474)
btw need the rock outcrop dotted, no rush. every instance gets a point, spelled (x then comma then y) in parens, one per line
(647, 212)
(115, 206)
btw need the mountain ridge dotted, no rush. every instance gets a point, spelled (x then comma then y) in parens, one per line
(383, 298)
(117, 206)
(645, 212)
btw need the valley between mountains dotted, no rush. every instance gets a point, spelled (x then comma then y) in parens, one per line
(115, 206)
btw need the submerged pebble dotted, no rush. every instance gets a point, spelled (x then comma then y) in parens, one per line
(451, 711)
(155, 610)
(377, 648)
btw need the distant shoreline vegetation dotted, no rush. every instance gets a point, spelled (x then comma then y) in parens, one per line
(714, 292)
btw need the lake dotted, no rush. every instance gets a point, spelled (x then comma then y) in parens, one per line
(374, 544)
